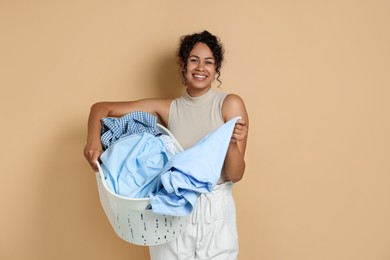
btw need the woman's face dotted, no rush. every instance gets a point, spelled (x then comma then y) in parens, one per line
(200, 71)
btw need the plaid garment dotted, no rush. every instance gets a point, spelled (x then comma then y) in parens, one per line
(135, 122)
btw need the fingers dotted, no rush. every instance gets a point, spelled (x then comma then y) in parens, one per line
(94, 166)
(92, 157)
(240, 131)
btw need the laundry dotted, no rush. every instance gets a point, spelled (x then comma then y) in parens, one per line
(135, 122)
(131, 166)
(142, 164)
(135, 152)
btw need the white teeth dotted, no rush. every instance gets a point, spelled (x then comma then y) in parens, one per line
(199, 76)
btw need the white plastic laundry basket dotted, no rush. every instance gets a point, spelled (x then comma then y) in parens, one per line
(132, 221)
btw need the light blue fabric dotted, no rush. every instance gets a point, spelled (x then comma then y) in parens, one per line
(194, 171)
(132, 164)
(135, 122)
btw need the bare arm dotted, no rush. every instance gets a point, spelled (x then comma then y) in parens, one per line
(93, 149)
(234, 165)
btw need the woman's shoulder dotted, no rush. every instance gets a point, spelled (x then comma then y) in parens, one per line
(232, 99)
(233, 106)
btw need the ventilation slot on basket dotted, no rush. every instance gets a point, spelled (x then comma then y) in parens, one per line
(145, 240)
(117, 219)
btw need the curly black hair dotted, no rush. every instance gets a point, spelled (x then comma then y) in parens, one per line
(187, 42)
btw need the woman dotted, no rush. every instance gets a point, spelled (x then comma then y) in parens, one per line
(212, 232)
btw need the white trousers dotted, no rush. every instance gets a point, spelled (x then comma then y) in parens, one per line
(211, 233)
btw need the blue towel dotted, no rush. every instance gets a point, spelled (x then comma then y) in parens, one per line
(194, 171)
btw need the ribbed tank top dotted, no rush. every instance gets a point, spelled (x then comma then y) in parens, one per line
(192, 118)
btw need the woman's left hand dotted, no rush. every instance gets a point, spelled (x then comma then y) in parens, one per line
(240, 131)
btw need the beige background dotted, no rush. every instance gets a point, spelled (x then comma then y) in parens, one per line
(315, 76)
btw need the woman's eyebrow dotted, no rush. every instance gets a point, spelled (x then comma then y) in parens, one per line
(195, 56)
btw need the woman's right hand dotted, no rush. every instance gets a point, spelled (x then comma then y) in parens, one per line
(92, 153)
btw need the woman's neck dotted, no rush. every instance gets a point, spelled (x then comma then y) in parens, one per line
(196, 92)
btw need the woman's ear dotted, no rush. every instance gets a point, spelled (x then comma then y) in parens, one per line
(181, 64)
(182, 71)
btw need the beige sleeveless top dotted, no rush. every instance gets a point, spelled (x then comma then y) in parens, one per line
(192, 118)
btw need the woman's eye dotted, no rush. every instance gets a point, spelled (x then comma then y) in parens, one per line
(193, 60)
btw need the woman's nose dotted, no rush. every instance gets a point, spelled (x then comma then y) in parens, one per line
(200, 66)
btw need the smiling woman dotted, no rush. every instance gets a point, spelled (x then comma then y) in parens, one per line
(200, 70)
(190, 117)
(211, 48)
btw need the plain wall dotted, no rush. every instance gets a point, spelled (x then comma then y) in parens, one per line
(315, 77)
